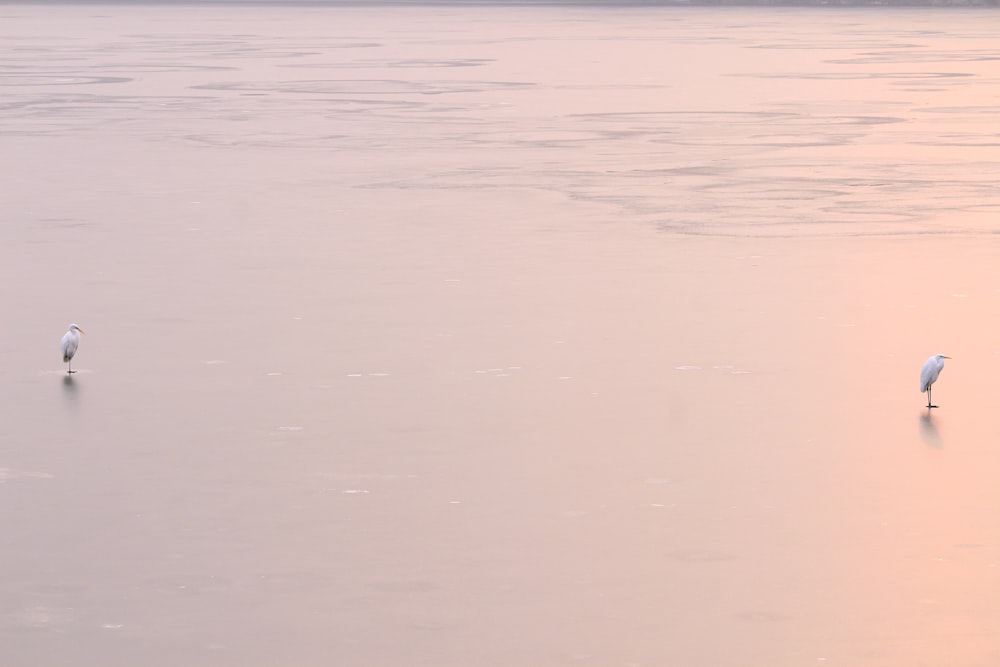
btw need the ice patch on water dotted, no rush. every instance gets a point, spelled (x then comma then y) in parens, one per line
(727, 368)
(355, 491)
(6, 474)
(41, 616)
(213, 362)
(290, 428)
(497, 372)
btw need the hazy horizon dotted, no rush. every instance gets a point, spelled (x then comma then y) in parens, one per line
(629, 4)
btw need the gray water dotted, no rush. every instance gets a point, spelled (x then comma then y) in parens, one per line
(498, 336)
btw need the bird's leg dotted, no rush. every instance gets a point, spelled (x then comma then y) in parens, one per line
(929, 402)
(70, 367)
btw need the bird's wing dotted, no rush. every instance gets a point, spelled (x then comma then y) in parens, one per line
(69, 344)
(927, 374)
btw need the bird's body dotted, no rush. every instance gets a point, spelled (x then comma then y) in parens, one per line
(929, 375)
(70, 342)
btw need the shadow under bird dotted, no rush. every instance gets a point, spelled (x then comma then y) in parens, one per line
(70, 342)
(929, 375)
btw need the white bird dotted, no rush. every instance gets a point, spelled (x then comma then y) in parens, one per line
(929, 375)
(70, 342)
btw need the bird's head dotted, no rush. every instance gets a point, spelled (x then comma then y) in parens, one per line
(76, 327)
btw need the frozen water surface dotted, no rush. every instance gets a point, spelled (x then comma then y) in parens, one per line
(498, 336)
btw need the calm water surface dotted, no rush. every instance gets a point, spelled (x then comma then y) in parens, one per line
(499, 336)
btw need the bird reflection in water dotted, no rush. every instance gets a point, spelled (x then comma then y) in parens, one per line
(69, 386)
(929, 431)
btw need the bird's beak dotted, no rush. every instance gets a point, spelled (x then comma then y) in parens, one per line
(82, 331)
(947, 357)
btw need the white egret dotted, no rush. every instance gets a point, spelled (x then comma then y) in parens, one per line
(929, 375)
(70, 342)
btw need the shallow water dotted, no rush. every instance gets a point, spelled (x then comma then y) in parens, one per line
(498, 336)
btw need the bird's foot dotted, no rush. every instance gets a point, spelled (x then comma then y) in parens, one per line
(929, 406)
(75, 371)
